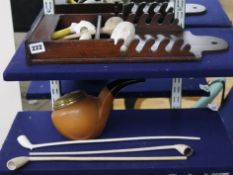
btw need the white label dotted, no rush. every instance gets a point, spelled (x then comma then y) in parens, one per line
(48, 7)
(36, 48)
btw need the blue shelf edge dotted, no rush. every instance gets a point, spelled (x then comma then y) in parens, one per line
(151, 88)
(226, 111)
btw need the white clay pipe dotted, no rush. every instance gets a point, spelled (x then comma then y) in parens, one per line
(25, 142)
(124, 31)
(108, 28)
(85, 34)
(184, 150)
(19, 162)
(74, 30)
(111, 24)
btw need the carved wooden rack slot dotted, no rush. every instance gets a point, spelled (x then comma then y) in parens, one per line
(80, 8)
(158, 38)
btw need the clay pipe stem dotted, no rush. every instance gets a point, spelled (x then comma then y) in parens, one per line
(184, 150)
(19, 162)
(97, 35)
(24, 141)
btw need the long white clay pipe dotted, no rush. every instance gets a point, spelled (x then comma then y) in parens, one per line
(19, 162)
(184, 150)
(24, 141)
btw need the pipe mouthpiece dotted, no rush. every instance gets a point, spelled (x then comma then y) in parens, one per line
(184, 150)
(24, 142)
(17, 162)
(117, 85)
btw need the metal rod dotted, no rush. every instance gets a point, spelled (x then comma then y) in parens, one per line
(99, 21)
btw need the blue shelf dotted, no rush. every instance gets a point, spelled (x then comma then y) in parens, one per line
(215, 16)
(151, 88)
(212, 64)
(226, 111)
(212, 154)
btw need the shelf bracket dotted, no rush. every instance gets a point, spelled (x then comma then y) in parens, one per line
(55, 86)
(55, 91)
(176, 94)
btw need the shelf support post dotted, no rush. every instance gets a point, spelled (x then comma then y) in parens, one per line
(55, 86)
(48, 7)
(176, 94)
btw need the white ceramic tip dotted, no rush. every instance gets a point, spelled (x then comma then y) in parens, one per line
(24, 142)
(184, 150)
(123, 48)
(17, 162)
(111, 24)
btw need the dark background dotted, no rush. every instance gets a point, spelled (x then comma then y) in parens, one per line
(24, 13)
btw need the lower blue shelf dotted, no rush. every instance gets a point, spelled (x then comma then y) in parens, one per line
(212, 154)
(226, 113)
(151, 88)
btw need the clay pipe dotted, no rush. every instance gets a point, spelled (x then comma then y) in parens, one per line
(75, 29)
(25, 142)
(108, 28)
(80, 116)
(184, 150)
(111, 24)
(19, 162)
(71, 2)
(85, 34)
(124, 31)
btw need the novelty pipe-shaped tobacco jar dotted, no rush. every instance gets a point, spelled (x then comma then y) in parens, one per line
(78, 115)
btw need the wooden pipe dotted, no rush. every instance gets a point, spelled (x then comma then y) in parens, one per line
(81, 116)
